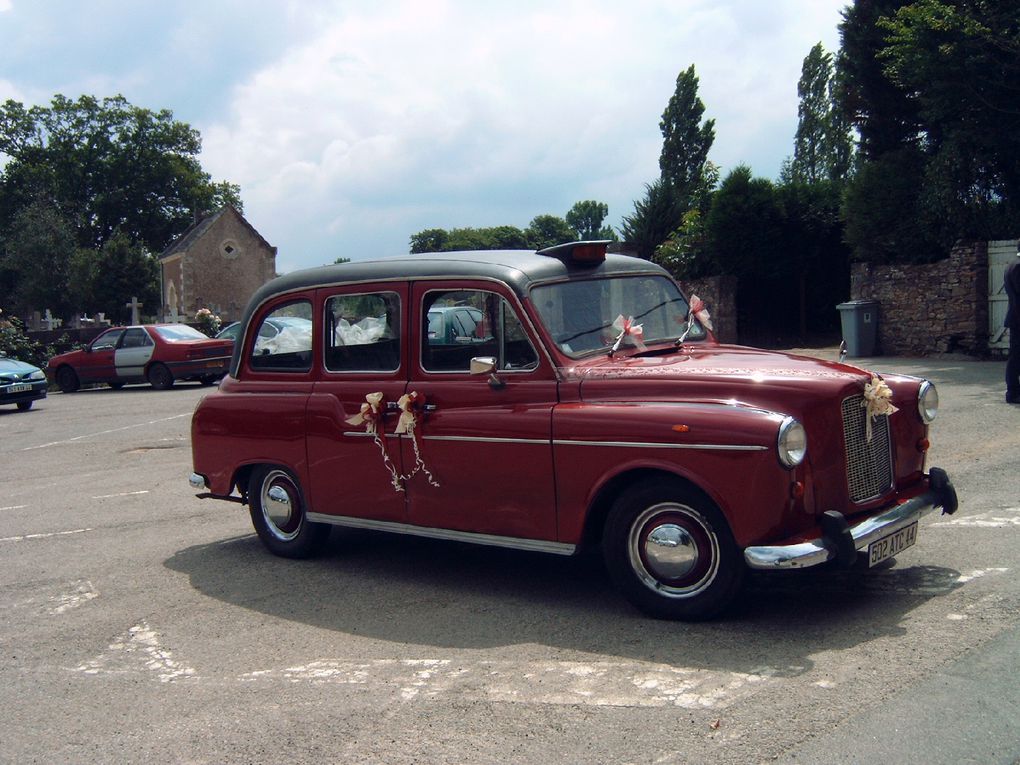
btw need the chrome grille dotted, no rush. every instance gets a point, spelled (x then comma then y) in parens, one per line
(868, 463)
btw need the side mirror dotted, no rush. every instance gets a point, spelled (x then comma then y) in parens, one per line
(486, 365)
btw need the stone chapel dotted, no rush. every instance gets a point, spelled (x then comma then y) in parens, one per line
(217, 263)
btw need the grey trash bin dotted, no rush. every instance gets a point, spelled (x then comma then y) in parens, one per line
(859, 319)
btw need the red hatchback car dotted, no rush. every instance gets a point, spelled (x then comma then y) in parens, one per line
(587, 404)
(159, 354)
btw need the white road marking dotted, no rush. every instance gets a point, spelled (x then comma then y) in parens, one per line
(13, 507)
(597, 683)
(140, 642)
(122, 494)
(82, 593)
(25, 537)
(106, 432)
(993, 519)
(978, 573)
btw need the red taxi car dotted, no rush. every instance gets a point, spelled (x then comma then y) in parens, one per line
(587, 404)
(158, 354)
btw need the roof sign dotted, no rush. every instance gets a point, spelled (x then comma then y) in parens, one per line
(590, 252)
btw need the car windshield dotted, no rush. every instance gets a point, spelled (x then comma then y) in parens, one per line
(177, 332)
(588, 316)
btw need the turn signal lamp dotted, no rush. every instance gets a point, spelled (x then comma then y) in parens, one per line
(589, 253)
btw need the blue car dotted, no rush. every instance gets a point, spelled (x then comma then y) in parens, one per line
(20, 383)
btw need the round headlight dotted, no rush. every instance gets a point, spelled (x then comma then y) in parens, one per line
(792, 442)
(927, 402)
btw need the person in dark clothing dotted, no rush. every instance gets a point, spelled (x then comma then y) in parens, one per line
(1011, 281)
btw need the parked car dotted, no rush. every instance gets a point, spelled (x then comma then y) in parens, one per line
(449, 325)
(20, 383)
(269, 329)
(595, 408)
(159, 354)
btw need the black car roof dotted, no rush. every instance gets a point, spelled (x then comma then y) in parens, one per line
(520, 269)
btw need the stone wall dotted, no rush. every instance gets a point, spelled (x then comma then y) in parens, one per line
(932, 308)
(720, 296)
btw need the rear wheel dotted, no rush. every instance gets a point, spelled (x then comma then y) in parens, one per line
(671, 552)
(160, 377)
(277, 509)
(67, 380)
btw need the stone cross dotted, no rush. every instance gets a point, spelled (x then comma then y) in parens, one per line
(134, 305)
(50, 322)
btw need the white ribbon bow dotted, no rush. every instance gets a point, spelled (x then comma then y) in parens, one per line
(627, 328)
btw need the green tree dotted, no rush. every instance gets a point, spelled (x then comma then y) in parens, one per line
(686, 176)
(103, 280)
(34, 263)
(107, 166)
(880, 109)
(586, 219)
(686, 140)
(429, 240)
(743, 226)
(822, 148)
(548, 230)
(654, 218)
(959, 64)
(887, 219)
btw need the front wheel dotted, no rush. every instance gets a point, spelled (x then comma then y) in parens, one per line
(160, 377)
(671, 552)
(277, 509)
(67, 380)
(24, 406)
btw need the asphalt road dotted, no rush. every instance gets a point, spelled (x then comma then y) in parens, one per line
(140, 624)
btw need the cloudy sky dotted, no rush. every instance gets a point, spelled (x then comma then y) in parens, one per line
(351, 125)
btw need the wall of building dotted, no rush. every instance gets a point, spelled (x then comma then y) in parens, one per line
(224, 281)
(932, 308)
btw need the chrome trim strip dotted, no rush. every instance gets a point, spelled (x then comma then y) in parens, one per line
(514, 543)
(484, 440)
(644, 445)
(813, 551)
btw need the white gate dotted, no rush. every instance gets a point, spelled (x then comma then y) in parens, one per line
(1000, 254)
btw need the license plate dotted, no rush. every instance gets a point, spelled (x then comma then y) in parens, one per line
(886, 547)
(19, 388)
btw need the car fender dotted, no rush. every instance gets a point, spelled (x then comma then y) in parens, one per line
(728, 451)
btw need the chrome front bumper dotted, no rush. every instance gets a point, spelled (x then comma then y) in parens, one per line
(841, 542)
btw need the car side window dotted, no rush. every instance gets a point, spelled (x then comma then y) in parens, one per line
(363, 332)
(284, 340)
(464, 324)
(136, 338)
(107, 341)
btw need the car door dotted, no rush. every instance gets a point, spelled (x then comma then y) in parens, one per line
(353, 472)
(133, 353)
(97, 363)
(484, 441)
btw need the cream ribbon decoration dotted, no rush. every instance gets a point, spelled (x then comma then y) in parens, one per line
(410, 408)
(627, 328)
(877, 402)
(370, 416)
